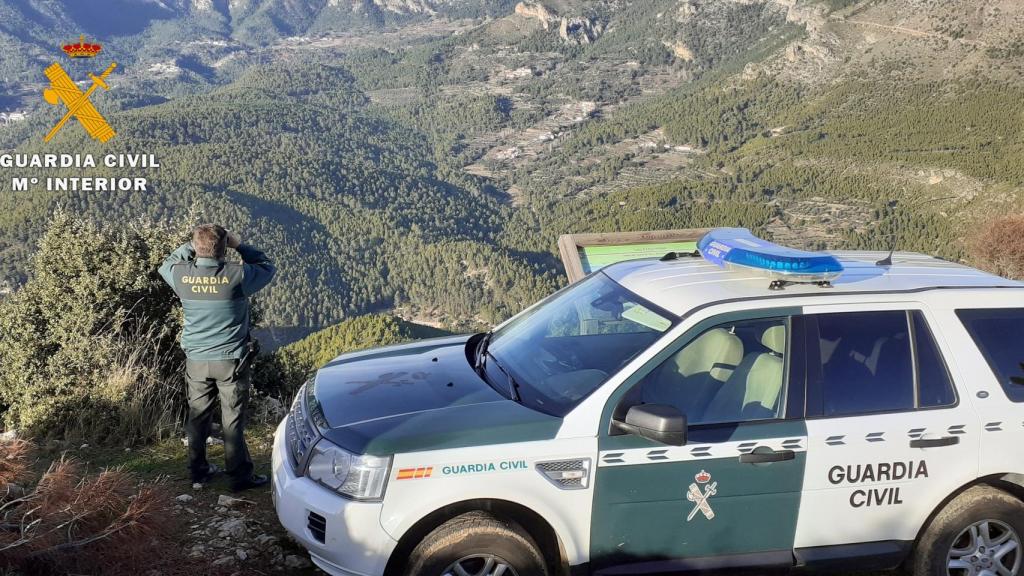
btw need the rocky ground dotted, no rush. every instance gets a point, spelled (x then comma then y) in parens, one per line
(230, 534)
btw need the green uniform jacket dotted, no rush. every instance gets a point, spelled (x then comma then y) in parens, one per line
(215, 296)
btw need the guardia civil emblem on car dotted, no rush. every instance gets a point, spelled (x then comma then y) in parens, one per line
(700, 497)
(868, 391)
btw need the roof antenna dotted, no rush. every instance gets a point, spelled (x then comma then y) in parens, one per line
(887, 261)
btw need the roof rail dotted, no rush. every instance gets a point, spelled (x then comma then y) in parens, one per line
(781, 284)
(676, 255)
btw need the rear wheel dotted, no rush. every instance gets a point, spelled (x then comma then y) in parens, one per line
(979, 533)
(477, 544)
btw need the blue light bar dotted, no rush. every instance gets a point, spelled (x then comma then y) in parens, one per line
(737, 247)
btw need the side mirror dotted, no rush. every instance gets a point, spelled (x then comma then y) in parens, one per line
(657, 422)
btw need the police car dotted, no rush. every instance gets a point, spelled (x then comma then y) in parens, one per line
(746, 405)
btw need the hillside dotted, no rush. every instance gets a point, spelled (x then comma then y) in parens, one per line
(424, 155)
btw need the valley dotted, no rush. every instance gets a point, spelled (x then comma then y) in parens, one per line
(423, 157)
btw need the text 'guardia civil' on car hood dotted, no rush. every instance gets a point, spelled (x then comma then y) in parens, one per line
(420, 396)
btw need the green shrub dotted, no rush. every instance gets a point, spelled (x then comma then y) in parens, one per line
(89, 343)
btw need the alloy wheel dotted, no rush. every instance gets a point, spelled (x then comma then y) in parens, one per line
(480, 565)
(985, 548)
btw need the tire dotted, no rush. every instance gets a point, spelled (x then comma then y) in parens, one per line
(471, 540)
(948, 547)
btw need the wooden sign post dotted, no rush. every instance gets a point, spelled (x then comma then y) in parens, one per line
(585, 253)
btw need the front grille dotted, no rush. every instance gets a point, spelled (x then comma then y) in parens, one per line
(317, 525)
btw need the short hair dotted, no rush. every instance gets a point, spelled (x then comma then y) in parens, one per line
(210, 241)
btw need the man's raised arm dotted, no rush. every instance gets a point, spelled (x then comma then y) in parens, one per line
(183, 253)
(259, 270)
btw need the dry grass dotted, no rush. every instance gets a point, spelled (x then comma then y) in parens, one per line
(998, 246)
(75, 522)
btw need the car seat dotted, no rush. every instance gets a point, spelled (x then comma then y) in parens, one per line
(754, 389)
(695, 374)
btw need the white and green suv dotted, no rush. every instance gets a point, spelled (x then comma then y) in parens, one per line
(742, 406)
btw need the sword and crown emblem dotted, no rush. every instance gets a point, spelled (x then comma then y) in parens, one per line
(82, 49)
(700, 497)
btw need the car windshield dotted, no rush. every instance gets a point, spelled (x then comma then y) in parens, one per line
(561, 350)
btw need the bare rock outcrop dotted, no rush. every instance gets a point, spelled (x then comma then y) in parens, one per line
(579, 30)
(537, 11)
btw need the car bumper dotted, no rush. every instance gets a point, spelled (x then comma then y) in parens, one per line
(355, 543)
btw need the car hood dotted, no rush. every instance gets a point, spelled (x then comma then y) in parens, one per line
(420, 396)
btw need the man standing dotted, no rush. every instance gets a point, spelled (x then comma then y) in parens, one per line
(215, 296)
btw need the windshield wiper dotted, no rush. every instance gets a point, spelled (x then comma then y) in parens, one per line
(513, 386)
(481, 353)
(480, 366)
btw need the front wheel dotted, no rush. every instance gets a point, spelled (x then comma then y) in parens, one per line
(977, 534)
(477, 544)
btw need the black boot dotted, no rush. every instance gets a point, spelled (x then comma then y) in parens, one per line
(211, 471)
(254, 481)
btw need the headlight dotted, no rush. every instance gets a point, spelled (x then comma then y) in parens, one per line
(358, 477)
(301, 433)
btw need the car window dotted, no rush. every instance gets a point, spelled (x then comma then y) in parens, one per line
(935, 388)
(562, 350)
(864, 363)
(999, 334)
(733, 372)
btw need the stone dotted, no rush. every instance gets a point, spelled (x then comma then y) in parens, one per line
(241, 554)
(184, 498)
(293, 562)
(234, 528)
(224, 561)
(225, 500)
(197, 486)
(263, 541)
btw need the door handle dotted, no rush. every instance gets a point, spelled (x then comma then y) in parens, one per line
(934, 442)
(766, 456)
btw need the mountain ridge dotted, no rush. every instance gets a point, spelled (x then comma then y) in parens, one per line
(427, 160)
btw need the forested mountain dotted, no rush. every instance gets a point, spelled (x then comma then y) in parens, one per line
(424, 155)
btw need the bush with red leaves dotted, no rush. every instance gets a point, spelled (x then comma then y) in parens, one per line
(106, 523)
(998, 246)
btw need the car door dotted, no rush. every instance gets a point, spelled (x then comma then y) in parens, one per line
(888, 438)
(730, 495)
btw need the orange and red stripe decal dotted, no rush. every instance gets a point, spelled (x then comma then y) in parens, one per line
(414, 473)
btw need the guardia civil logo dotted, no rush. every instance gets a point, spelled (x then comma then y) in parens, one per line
(700, 496)
(78, 106)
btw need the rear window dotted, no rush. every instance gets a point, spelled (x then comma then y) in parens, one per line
(999, 334)
(874, 362)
